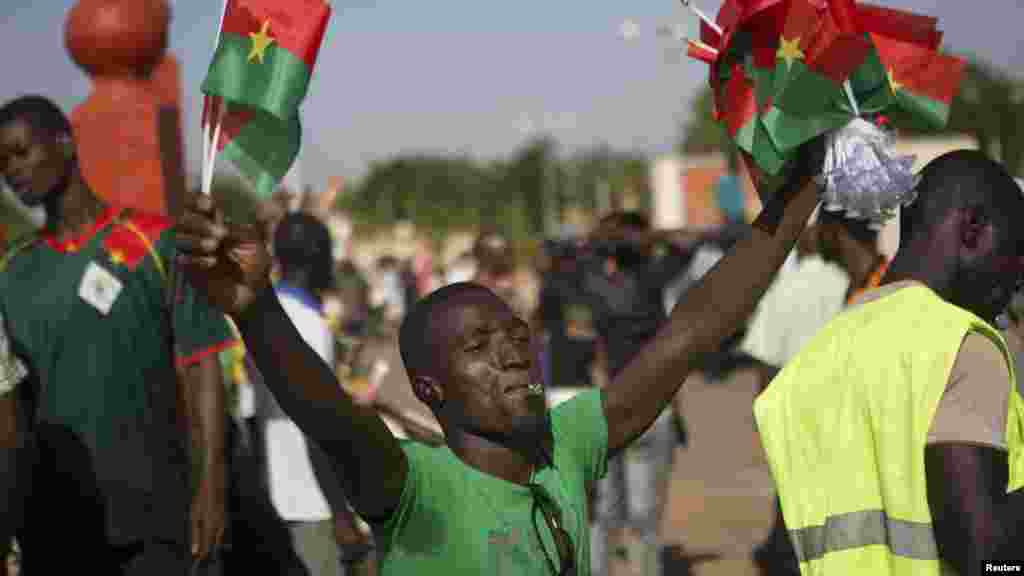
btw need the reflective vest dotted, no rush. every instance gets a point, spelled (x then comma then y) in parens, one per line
(844, 426)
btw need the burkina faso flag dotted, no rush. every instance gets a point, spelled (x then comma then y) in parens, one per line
(261, 72)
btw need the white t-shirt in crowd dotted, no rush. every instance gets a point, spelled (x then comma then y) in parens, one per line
(807, 294)
(294, 489)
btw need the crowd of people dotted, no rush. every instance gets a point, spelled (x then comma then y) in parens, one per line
(231, 423)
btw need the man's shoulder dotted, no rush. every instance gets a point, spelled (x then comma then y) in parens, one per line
(434, 462)
(133, 237)
(578, 407)
(150, 224)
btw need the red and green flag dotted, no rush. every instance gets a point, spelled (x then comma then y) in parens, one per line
(259, 76)
(784, 71)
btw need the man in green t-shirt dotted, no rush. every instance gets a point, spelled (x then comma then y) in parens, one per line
(507, 495)
(85, 303)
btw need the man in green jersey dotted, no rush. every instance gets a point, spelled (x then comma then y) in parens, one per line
(507, 494)
(84, 300)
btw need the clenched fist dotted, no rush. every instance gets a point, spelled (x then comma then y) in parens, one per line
(229, 264)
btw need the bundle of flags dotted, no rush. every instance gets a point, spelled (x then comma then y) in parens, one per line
(259, 76)
(786, 71)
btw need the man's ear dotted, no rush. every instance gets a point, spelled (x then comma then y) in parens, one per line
(429, 391)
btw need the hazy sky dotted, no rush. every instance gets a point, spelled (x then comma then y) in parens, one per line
(467, 75)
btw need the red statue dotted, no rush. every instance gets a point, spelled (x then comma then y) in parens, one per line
(128, 132)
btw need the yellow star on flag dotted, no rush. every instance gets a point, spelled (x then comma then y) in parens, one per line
(789, 50)
(260, 42)
(117, 257)
(896, 86)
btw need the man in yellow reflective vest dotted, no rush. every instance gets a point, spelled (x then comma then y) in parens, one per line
(894, 442)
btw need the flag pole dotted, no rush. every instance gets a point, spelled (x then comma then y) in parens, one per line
(702, 16)
(214, 142)
(209, 144)
(209, 106)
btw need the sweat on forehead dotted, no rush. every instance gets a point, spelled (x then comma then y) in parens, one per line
(417, 336)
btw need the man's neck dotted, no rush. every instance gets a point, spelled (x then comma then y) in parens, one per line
(906, 267)
(73, 208)
(498, 460)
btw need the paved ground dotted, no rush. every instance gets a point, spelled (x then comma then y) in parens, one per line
(721, 496)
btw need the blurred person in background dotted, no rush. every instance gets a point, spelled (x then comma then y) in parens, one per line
(354, 296)
(707, 248)
(462, 269)
(303, 486)
(713, 244)
(810, 289)
(495, 268)
(423, 268)
(410, 285)
(565, 319)
(260, 540)
(125, 403)
(390, 289)
(623, 284)
(853, 246)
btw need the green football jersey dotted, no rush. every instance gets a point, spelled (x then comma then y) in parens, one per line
(89, 318)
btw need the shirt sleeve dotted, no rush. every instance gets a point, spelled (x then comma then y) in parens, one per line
(581, 433)
(386, 532)
(199, 329)
(973, 408)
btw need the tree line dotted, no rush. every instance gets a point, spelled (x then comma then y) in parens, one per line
(522, 196)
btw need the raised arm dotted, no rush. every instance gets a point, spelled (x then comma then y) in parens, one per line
(233, 273)
(975, 520)
(712, 310)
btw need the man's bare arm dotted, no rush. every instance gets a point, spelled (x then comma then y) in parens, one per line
(711, 310)
(367, 459)
(13, 440)
(205, 387)
(974, 519)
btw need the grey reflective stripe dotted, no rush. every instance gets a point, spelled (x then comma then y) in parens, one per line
(865, 528)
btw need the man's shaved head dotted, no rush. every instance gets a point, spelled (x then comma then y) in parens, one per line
(965, 224)
(956, 180)
(417, 336)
